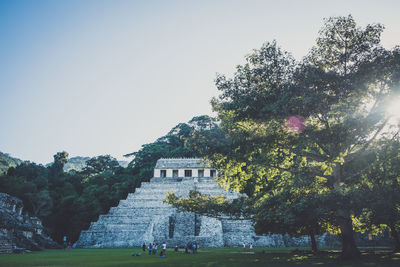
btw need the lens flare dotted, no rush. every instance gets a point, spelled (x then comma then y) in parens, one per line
(295, 124)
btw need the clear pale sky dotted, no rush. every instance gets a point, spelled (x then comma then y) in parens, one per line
(105, 77)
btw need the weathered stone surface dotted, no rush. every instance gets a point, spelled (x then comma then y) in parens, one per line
(18, 230)
(143, 217)
(179, 163)
(5, 244)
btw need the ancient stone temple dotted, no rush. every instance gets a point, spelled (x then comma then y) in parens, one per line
(18, 231)
(143, 217)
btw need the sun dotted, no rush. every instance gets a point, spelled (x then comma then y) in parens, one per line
(393, 107)
(393, 111)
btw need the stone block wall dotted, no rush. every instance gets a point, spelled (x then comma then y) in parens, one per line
(144, 217)
(6, 245)
(18, 230)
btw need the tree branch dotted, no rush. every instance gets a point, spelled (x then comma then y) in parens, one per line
(371, 165)
(368, 143)
(315, 156)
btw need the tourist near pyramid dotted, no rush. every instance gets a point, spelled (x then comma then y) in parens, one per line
(144, 217)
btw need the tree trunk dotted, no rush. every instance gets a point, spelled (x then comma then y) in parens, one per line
(349, 248)
(395, 236)
(314, 247)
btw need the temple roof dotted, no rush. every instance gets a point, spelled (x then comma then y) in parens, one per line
(179, 163)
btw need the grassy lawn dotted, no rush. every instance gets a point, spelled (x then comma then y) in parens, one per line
(206, 257)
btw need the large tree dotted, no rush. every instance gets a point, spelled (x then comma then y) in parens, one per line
(100, 164)
(307, 122)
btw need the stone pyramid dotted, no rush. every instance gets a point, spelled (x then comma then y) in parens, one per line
(143, 217)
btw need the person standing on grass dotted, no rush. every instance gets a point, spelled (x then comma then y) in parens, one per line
(251, 246)
(244, 246)
(150, 248)
(155, 249)
(194, 247)
(144, 247)
(164, 248)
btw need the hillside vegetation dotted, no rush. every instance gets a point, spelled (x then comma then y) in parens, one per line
(6, 161)
(75, 164)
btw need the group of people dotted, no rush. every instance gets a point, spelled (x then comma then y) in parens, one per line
(191, 247)
(153, 248)
(250, 246)
(67, 245)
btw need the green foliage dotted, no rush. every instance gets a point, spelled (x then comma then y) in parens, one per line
(6, 161)
(100, 164)
(380, 190)
(217, 206)
(68, 202)
(57, 167)
(75, 164)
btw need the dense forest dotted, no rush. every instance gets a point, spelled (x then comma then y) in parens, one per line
(67, 202)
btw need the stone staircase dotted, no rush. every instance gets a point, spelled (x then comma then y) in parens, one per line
(6, 246)
(144, 217)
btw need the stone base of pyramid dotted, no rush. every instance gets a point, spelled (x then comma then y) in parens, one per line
(144, 217)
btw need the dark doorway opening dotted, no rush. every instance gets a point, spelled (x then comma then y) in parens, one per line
(201, 173)
(213, 173)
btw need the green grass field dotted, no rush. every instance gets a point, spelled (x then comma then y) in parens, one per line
(205, 257)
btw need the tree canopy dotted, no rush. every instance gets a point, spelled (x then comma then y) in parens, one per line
(296, 135)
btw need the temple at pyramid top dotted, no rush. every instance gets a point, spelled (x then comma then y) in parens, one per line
(183, 167)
